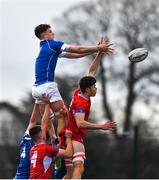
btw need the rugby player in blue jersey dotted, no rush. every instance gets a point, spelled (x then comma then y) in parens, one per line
(45, 65)
(23, 170)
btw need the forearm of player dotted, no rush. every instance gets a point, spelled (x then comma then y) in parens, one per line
(83, 49)
(34, 117)
(88, 125)
(51, 131)
(45, 123)
(34, 114)
(95, 64)
(75, 55)
(68, 152)
(81, 123)
(46, 115)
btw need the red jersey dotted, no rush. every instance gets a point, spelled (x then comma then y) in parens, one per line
(79, 104)
(41, 161)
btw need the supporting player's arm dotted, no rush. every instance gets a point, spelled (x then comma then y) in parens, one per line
(34, 117)
(51, 131)
(81, 123)
(68, 152)
(46, 124)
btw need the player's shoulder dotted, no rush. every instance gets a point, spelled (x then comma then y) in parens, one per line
(81, 103)
(42, 146)
(51, 149)
(55, 41)
(56, 45)
(38, 148)
(75, 92)
(26, 136)
(51, 146)
(78, 100)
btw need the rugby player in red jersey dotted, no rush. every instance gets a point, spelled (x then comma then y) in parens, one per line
(79, 116)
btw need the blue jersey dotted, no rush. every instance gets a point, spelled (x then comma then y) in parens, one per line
(23, 170)
(46, 61)
(59, 172)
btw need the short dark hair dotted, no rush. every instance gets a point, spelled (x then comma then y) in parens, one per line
(40, 29)
(34, 131)
(86, 82)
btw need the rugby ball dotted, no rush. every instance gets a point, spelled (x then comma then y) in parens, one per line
(138, 55)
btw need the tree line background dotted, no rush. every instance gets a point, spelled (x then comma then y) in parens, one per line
(128, 92)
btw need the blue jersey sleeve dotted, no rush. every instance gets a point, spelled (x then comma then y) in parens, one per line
(56, 45)
(27, 139)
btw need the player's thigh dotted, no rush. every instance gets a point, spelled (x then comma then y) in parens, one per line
(79, 152)
(36, 94)
(53, 92)
(57, 106)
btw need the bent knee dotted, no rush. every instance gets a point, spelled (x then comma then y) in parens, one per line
(62, 111)
(56, 106)
(79, 165)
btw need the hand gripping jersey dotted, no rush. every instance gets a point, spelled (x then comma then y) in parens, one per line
(46, 61)
(41, 161)
(23, 170)
(79, 104)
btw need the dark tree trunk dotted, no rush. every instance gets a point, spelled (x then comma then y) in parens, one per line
(130, 98)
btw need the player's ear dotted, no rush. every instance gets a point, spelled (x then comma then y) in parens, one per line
(87, 89)
(43, 35)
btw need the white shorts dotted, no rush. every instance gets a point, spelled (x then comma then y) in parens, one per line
(78, 155)
(50, 89)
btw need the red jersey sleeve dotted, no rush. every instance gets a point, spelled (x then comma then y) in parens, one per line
(80, 107)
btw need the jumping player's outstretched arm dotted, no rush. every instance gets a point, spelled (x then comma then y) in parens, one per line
(96, 62)
(80, 117)
(82, 51)
(79, 49)
(70, 55)
(34, 117)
